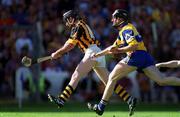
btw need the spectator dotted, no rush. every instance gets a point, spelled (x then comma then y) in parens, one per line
(23, 42)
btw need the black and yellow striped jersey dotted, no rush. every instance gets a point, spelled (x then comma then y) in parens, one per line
(82, 36)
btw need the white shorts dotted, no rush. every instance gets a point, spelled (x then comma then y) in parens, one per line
(101, 62)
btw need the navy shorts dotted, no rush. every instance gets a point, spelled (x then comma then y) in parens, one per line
(140, 59)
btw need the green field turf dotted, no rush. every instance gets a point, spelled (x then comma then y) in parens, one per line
(80, 110)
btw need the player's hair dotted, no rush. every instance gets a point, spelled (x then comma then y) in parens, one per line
(71, 13)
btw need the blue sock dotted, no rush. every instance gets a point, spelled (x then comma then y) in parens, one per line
(102, 104)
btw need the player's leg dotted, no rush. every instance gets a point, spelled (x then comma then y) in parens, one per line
(169, 64)
(81, 70)
(120, 70)
(153, 73)
(103, 74)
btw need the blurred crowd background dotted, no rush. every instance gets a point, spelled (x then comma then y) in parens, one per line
(35, 28)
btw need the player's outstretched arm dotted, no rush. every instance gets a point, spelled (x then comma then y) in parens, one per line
(125, 49)
(169, 64)
(104, 52)
(115, 50)
(66, 48)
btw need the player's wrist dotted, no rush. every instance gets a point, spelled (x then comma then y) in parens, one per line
(54, 55)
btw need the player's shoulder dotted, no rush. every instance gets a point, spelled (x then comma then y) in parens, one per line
(78, 26)
(78, 29)
(81, 23)
(129, 26)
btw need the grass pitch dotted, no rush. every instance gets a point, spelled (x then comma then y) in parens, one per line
(80, 110)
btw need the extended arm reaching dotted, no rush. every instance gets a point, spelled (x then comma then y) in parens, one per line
(104, 52)
(66, 48)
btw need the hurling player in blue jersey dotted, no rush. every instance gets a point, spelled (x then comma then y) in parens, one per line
(129, 41)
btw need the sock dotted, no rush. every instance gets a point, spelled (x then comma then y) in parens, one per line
(129, 100)
(121, 92)
(102, 104)
(66, 94)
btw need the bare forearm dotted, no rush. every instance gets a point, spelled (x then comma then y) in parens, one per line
(126, 49)
(103, 52)
(66, 48)
(61, 51)
(115, 50)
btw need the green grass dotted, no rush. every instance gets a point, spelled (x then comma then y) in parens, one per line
(80, 110)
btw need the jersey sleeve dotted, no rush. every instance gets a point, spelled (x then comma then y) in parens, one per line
(75, 35)
(72, 41)
(129, 36)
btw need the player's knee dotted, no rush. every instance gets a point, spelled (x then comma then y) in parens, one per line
(111, 80)
(75, 76)
(111, 76)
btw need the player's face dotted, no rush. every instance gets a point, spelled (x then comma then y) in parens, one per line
(116, 21)
(70, 22)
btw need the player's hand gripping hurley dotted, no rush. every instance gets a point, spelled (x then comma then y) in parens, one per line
(26, 61)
